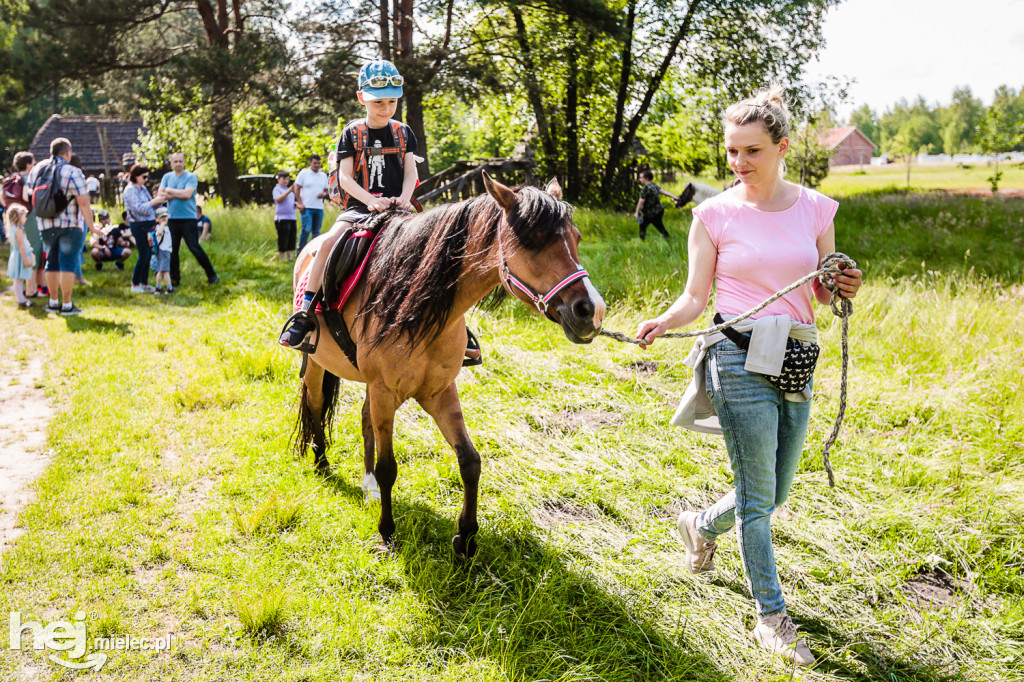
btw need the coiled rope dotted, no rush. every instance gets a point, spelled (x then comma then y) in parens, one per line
(841, 307)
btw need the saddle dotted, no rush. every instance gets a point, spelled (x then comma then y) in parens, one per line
(345, 267)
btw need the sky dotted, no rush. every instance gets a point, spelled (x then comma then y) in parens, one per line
(906, 48)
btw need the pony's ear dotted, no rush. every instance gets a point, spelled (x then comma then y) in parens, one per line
(505, 197)
(554, 189)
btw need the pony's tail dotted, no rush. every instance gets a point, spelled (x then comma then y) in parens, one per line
(312, 430)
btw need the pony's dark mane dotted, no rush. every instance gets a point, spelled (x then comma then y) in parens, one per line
(418, 261)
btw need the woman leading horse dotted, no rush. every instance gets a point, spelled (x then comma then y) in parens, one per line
(407, 319)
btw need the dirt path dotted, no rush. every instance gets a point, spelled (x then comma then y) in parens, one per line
(24, 414)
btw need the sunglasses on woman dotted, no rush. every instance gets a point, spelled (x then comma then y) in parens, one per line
(382, 81)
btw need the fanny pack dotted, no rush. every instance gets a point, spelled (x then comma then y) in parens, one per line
(797, 366)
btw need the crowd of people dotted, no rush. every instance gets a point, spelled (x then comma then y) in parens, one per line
(153, 225)
(47, 253)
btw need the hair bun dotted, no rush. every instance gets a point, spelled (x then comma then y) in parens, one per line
(767, 106)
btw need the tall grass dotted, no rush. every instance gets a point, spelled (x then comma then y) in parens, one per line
(175, 505)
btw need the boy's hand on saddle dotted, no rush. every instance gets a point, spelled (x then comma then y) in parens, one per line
(650, 330)
(379, 204)
(404, 204)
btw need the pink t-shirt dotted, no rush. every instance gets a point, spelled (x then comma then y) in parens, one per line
(761, 252)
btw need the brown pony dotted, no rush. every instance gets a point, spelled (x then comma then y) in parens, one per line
(407, 320)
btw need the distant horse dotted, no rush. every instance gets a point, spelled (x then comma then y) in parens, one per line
(407, 321)
(696, 192)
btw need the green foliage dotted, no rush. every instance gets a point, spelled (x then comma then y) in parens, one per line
(808, 160)
(867, 123)
(677, 140)
(457, 130)
(175, 121)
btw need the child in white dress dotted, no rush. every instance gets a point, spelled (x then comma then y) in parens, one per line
(21, 265)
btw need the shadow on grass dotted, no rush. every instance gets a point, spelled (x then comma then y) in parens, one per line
(520, 605)
(77, 323)
(873, 656)
(865, 659)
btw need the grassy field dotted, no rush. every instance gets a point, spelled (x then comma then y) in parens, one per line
(851, 180)
(174, 505)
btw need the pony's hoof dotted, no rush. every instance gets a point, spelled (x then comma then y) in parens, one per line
(464, 549)
(387, 548)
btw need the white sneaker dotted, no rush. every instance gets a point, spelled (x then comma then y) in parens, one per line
(777, 634)
(700, 553)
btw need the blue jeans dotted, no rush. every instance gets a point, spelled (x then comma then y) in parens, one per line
(63, 248)
(140, 232)
(312, 221)
(764, 435)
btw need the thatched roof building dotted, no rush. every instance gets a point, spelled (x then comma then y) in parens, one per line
(104, 144)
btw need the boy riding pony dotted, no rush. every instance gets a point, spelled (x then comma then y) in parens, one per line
(376, 170)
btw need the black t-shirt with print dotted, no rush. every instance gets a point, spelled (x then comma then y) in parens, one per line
(384, 173)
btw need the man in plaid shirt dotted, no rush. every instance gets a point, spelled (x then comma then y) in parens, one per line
(64, 235)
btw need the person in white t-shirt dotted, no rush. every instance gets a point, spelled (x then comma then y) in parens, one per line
(92, 184)
(310, 191)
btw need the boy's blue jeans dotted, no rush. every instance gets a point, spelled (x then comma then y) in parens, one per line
(312, 221)
(764, 435)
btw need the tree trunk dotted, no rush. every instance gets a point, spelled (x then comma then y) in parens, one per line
(572, 174)
(615, 151)
(224, 151)
(385, 31)
(623, 136)
(414, 118)
(533, 92)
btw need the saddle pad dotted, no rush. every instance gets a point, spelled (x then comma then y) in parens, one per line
(347, 287)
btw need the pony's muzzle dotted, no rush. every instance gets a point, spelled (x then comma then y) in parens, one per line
(582, 316)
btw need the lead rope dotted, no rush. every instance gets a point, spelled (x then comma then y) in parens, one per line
(841, 308)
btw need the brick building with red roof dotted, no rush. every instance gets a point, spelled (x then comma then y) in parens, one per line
(848, 145)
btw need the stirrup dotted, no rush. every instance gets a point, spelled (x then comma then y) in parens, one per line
(312, 338)
(472, 346)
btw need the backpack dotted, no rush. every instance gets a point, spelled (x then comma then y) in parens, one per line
(361, 171)
(48, 199)
(12, 190)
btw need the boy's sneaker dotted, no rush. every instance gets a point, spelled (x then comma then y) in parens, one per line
(777, 634)
(53, 307)
(213, 280)
(170, 290)
(119, 265)
(298, 332)
(700, 553)
(73, 310)
(25, 305)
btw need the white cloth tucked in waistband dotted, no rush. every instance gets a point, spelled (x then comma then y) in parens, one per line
(768, 336)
